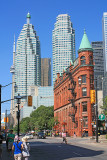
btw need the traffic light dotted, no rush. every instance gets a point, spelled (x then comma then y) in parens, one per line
(92, 95)
(29, 100)
(6, 119)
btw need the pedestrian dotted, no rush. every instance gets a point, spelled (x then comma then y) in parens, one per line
(64, 137)
(26, 149)
(74, 135)
(60, 134)
(17, 148)
(1, 139)
(10, 140)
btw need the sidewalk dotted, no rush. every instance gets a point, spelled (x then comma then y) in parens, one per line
(88, 140)
(5, 154)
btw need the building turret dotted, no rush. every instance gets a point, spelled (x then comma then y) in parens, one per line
(85, 44)
(28, 18)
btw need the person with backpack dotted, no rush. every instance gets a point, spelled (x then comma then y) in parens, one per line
(26, 148)
(17, 148)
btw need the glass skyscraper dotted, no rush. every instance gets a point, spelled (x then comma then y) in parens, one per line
(104, 28)
(27, 59)
(63, 41)
(98, 59)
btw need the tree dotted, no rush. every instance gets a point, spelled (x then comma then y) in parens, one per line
(25, 125)
(43, 116)
(40, 119)
(104, 107)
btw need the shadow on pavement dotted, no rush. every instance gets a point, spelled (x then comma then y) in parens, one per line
(58, 151)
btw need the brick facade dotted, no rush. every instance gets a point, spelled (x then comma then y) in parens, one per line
(72, 104)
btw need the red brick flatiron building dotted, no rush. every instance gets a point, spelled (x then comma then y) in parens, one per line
(72, 105)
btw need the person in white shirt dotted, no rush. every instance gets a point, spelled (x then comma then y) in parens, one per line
(26, 149)
(64, 137)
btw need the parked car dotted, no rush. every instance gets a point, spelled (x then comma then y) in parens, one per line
(41, 135)
(28, 136)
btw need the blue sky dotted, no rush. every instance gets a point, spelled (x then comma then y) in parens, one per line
(84, 14)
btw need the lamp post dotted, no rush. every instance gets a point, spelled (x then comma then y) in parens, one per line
(81, 128)
(18, 112)
(96, 111)
(80, 81)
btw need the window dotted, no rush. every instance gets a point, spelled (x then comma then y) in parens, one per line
(84, 91)
(91, 79)
(91, 60)
(83, 60)
(84, 106)
(85, 121)
(83, 78)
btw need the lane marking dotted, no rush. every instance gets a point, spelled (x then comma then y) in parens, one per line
(77, 154)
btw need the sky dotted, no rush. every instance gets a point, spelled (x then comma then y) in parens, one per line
(84, 14)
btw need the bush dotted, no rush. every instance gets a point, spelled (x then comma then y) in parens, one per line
(106, 136)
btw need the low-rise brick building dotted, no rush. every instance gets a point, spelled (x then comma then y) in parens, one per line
(72, 104)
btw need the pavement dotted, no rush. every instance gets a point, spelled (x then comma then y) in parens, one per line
(5, 154)
(71, 140)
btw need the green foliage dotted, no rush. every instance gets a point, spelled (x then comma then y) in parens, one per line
(25, 125)
(104, 107)
(40, 119)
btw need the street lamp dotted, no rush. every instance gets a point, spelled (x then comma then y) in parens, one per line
(80, 81)
(18, 112)
(81, 128)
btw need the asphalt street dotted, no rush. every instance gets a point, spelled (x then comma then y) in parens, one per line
(76, 149)
(54, 149)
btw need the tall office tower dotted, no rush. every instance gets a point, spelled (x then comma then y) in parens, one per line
(99, 62)
(63, 40)
(45, 71)
(27, 60)
(104, 29)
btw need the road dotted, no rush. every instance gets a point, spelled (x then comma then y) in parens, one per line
(53, 149)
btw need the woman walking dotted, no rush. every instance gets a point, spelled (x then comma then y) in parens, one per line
(17, 148)
(26, 148)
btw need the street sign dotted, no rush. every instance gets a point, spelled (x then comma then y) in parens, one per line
(101, 117)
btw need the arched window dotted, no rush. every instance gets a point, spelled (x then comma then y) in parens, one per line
(83, 60)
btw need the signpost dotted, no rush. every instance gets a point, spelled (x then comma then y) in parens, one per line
(101, 117)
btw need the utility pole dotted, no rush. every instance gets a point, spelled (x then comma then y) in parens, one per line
(96, 111)
(6, 119)
(5, 100)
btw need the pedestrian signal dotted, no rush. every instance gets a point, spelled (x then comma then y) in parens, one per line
(29, 100)
(92, 95)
